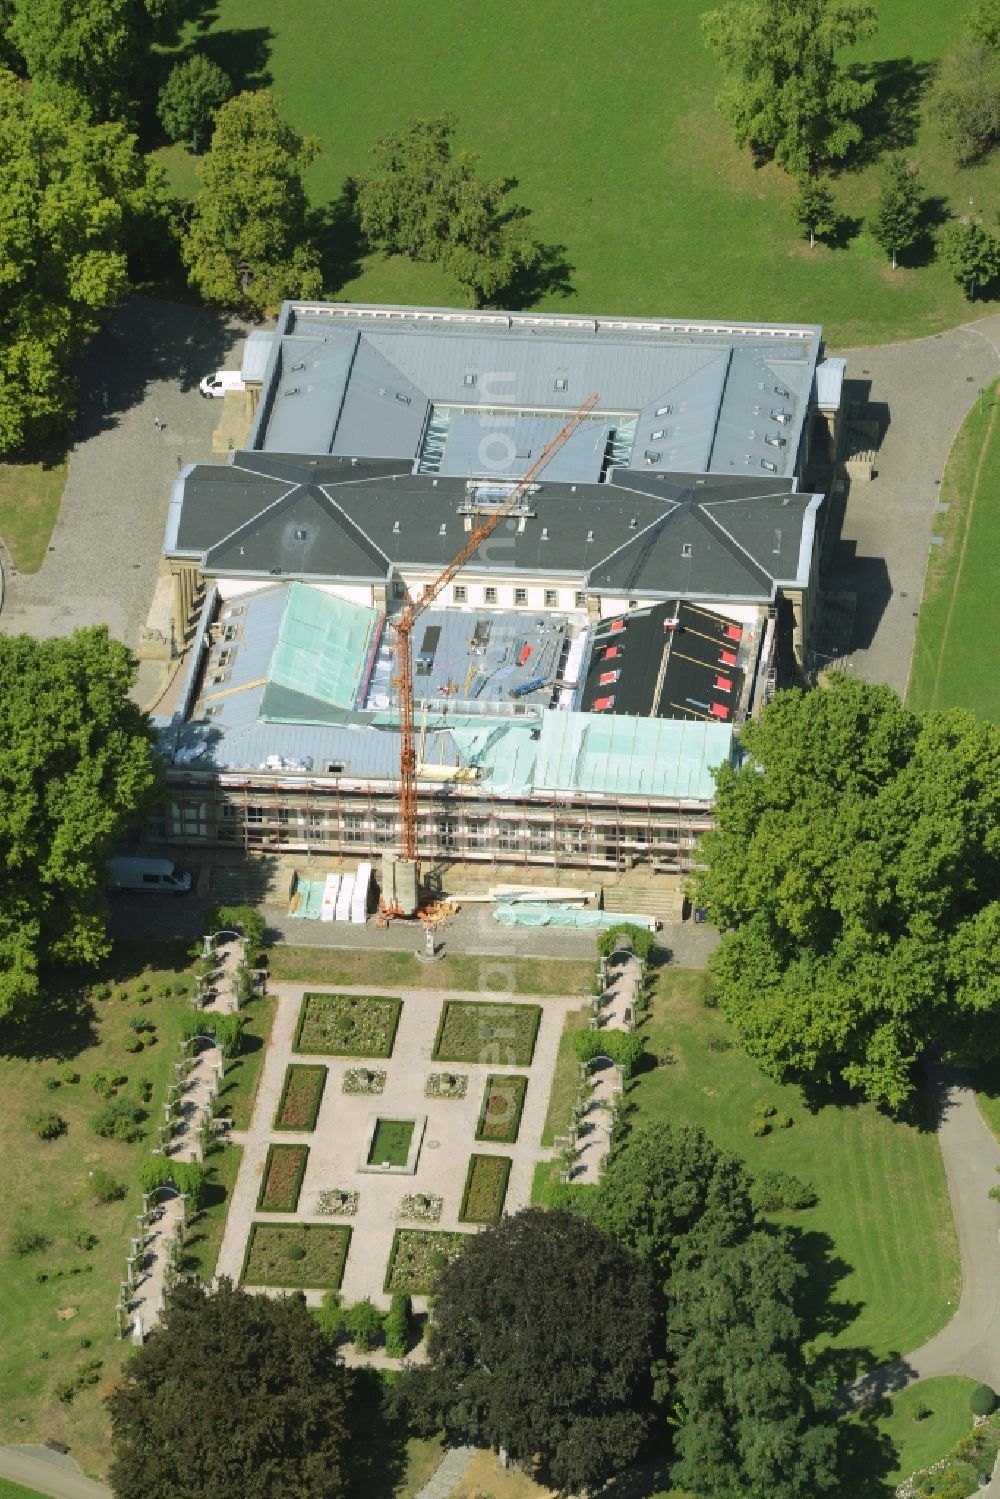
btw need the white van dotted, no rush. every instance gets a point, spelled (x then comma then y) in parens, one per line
(156, 875)
(216, 385)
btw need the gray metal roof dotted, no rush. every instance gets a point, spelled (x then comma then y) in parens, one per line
(361, 523)
(361, 381)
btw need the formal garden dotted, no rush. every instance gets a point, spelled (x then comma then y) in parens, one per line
(497, 1033)
(281, 1183)
(347, 1025)
(500, 1115)
(485, 1189)
(301, 1096)
(416, 1257)
(296, 1254)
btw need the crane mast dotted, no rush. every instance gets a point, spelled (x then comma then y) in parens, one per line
(402, 626)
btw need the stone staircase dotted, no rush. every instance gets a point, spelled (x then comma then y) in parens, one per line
(646, 894)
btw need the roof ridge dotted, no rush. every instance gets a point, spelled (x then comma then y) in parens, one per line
(350, 521)
(730, 541)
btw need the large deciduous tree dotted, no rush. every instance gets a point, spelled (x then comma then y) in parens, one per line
(232, 1397)
(541, 1343)
(425, 201)
(78, 763)
(965, 100)
(249, 244)
(854, 871)
(786, 94)
(71, 197)
(86, 54)
(746, 1419)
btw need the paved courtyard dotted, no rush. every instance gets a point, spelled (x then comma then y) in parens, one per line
(338, 1141)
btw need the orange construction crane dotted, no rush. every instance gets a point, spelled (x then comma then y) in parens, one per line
(402, 625)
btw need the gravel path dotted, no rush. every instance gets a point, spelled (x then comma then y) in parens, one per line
(921, 392)
(106, 546)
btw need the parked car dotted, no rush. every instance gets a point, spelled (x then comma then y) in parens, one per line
(216, 385)
(156, 875)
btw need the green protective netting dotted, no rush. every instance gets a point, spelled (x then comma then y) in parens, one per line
(320, 657)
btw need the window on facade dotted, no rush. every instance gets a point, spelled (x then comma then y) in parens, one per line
(229, 810)
(539, 836)
(507, 835)
(398, 591)
(572, 840)
(520, 595)
(383, 829)
(490, 595)
(255, 814)
(476, 832)
(448, 834)
(551, 598)
(459, 593)
(353, 826)
(580, 600)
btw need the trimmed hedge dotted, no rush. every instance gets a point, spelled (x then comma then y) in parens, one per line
(485, 1189)
(397, 1326)
(304, 1084)
(983, 1400)
(512, 1090)
(624, 1048)
(298, 1156)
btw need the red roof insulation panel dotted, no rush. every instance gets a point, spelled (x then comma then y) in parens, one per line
(728, 658)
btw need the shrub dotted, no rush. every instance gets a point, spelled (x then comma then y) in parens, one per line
(782, 1121)
(330, 1315)
(105, 1188)
(101, 991)
(66, 1391)
(294, 1252)
(106, 1084)
(397, 1326)
(364, 1323)
(85, 1240)
(983, 1400)
(120, 1120)
(133, 1044)
(69, 1074)
(52, 1083)
(121, 995)
(773, 1190)
(922, 1412)
(46, 1125)
(141, 1023)
(764, 1109)
(720, 1044)
(144, 1089)
(26, 1240)
(759, 1127)
(142, 987)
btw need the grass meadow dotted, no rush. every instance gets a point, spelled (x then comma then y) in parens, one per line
(960, 610)
(605, 116)
(880, 1243)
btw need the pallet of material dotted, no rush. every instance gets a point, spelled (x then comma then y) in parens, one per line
(331, 891)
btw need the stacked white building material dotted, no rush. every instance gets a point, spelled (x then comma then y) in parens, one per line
(343, 912)
(331, 891)
(359, 901)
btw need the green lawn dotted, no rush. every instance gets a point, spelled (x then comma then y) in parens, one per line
(961, 602)
(239, 1087)
(881, 1237)
(403, 970)
(391, 1142)
(606, 118)
(29, 503)
(988, 1093)
(920, 1443)
(57, 1305)
(10, 1490)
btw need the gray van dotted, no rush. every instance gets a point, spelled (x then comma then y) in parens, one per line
(156, 875)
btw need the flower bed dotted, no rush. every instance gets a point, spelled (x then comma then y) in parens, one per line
(446, 1085)
(301, 1095)
(309, 1255)
(338, 1202)
(416, 1257)
(347, 1025)
(282, 1180)
(485, 1189)
(363, 1080)
(423, 1207)
(500, 1114)
(498, 1033)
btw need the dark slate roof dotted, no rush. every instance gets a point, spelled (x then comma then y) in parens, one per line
(642, 534)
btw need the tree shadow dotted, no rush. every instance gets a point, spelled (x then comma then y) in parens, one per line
(866, 1457)
(376, 1455)
(891, 120)
(820, 1313)
(336, 230)
(548, 277)
(846, 228)
(241, 52)
(61, 1027)
(934, 211)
